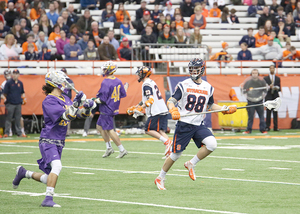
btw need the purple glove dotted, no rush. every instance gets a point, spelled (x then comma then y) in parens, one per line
(79, 99)
(89, 104)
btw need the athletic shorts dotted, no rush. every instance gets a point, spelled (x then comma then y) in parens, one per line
(157, 123)
(49, 152)
(184, 132)
(106, 122)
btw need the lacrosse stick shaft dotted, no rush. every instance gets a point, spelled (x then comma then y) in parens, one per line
(259, 88)
(205, 112)
(71, 86)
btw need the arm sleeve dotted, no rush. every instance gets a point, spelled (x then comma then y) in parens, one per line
(122, 91)
(178, 93)
(53, 110)
(211, 100)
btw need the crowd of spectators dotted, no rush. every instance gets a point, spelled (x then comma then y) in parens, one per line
(45, 30)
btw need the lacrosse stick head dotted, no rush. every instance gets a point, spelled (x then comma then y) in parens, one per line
(109, 68)
(273, 104)
(57, 79)
(143, 72)
(137, 113)
(7, 74)
(254, 89)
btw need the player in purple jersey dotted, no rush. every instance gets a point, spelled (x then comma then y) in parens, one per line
(109, 95)
(58, 111)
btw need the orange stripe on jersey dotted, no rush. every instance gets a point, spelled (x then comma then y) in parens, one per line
(199, 91)
(157, 126)
(174, 144)
(149, 126)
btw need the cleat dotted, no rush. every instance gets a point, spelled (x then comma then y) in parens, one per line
(191, 169)
(108, 152)
(168, 149)
(21, 172)
(22, 135)
(246, 132)
(264, 132)
(0, 136)
(160, 183)
(84, 134)
(122, 154)
(4, 136)
(48, 202)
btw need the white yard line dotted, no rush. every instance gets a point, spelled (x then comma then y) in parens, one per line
(155, 173)
(84, 173)
(15, 153)
(280, 168)
(128, 202)
(233, 169)
(246, 138)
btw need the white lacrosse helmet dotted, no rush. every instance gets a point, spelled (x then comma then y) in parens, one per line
(56, 79)
(109, 68)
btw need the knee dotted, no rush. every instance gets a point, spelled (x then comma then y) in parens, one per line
(211, 143)
(56, 167)
(175, 156)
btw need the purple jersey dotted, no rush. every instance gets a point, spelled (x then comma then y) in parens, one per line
(110, 93)
(53, 108)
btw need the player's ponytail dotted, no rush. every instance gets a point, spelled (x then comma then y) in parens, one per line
(47, 89)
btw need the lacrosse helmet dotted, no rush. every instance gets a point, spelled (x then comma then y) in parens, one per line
(109, 68)
(143, 72)
(57, 79)
(198, 65)
(7, 74)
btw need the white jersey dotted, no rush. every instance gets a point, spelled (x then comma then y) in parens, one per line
(193, 98)
(3, 85)
(150, 88)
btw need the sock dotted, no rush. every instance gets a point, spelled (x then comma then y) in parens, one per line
(162, 174)
(49, 191)
(195, 160)
(28, 174)
(44, 178)
(23, 132)
(121, 148)
(163, 139)
(108, 145)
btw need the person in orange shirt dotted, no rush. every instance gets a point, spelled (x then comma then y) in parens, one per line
(261, 38)
(55, 35)
(204, 10)
(286, 53)
(121, 13)
(178, 20)
(215, 11)
(29, 41)
(197, 19)
(35, 12)
(293, 55)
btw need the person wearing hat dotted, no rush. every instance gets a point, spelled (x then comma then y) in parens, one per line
(141, 23)
(85, 21)
(271, 51)
(283, 34)
(108, 15)
(165, 37)
(83, 43)
(140, 12)
(18, 33)
(169, 9)
(15, 97)
(124, 51)
(223, 54)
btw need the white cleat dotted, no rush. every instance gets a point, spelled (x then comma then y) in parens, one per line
(160, 183)
(122, 154)
(108, 152)
(84, 134)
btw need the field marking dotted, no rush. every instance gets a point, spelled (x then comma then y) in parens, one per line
(244, 138)
(280, 168)
(153, 153)
(233, 169)
(129, 202)
(155, 173)
(15, 153)
(84, 173)
(280, 138)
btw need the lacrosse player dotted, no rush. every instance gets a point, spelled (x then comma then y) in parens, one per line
(58, 110)
(192, 95)
(109, 95)
(156, 109)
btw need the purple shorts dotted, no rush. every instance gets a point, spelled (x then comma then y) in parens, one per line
(106, 122)
(49, 152)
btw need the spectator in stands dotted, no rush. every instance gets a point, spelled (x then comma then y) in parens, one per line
(280, 16)
(72, 18)
(290, 7)
(44, 54)
(10, 50)
(169, 9)
(244, 54)
(58, 6)
(186, 29)
(112, 40)
(83, 43)
(124, 51)
(260, 37)
(215, 11)
(268, 27)
(90, 53)
(121, 13)
(162, 19)
(65, 15)
(205, 11)
(223, 55)
(11, 15)
(233, 17)
(187, 8)
(165, 37)
(90, 4)
(276, 40)
(286, 54)
(225, 17)
(290, 25)
(296, 11)
(60, 22)
(155, 13)
(29, 41)
(180, 38)
(4, 29)
(60, 43)
(261, 2)
(159, 29)
(55, 35)
(151, 24)
(108, 15)
(264, 17)
(85, 21)
(35, 32)
(271, 51)
(107, 51)
(44, 25)
(173, 28)
(293, 55)
(17, 31)
(141, 23)
(96, 34)
(148, 37)
(273, 8)
(52, 15)
(23, 15)
(283, 34)
(168, 19)
(178, 20)
(43, 40)
(140, 12)
(297, 21)
(23, 26)
(255, 10)
(74, 31)
(247, 2)
(125, 28)
(197, 19)
(35, 12)
(72, 50)
(196, 37)
(31, 53)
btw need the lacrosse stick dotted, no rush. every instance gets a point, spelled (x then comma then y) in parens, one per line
(270, 104)
(137, 113)
(255, 89)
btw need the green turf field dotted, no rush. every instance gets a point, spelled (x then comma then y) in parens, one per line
(246, 174)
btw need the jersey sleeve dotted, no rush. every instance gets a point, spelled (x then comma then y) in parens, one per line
(211, 98)
(103, 93)
(178, 92)
(52, 109)
(147, 91)
(122, 91)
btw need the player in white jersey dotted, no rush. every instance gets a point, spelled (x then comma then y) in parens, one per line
(192, 95)
(156, 109)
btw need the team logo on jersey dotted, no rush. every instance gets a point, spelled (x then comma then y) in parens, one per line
(178, 148)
